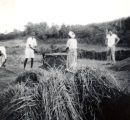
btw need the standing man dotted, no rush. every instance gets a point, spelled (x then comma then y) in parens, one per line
(30, 48)
(72, 52)
(111, 41)
(3, 56)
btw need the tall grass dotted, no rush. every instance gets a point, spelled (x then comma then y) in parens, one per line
(56, 95)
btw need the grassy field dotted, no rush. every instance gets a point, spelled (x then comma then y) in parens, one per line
(38, 94)
(15, 51)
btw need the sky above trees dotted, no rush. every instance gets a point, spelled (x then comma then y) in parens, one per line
(17, 13)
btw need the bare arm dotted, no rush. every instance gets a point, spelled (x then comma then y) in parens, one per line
(106, 41)
(31, 47)
(67, 48)
(117, 40)
(67, 45)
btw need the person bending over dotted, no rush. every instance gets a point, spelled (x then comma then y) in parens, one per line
(3, 56)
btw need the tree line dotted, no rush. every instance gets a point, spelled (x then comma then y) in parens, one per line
(91, 34)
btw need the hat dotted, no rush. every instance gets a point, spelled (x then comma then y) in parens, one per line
(71, 34)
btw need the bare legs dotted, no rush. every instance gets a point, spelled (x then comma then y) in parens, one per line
(111, 54)
(3, 64)
(31, 62)
(25, 62)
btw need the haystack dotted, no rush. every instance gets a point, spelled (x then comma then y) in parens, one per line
(56, 96)
(123, 65)
(93, 86)
(29, 78)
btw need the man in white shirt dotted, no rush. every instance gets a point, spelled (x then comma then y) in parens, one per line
(3, 56)
(72, 52)
(111, 41)
(30, 48)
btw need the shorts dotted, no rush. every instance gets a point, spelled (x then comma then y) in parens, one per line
(29, 53)
(111, 50)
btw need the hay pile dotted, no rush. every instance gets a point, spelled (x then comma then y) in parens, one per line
(55, 96)
(93, 86)
(123, 65)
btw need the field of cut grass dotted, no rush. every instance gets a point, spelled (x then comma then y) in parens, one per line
(56, 95)
(94, 92)
(15, 52)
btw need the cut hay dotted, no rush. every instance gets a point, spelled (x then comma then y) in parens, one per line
(55, 96)
(20, 103)
(28, 78)
(123, 65)
(94, 85)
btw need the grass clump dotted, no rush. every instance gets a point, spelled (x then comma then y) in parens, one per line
(93, 86)
(56, 95)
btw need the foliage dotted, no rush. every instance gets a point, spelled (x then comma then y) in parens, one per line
(12, 35)
(91, 34)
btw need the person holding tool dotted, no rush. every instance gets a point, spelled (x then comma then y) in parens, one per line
(30, 49)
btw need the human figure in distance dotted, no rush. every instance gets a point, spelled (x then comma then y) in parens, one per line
(111, 42)
(3, 56)
(30, 48)
(71, 48)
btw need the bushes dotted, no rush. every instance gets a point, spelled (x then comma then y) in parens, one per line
(90, 34)
(12, 35)
(89, 54)
(58, 95)
(52, 48)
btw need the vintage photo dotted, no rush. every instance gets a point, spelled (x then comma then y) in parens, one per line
(64, 60)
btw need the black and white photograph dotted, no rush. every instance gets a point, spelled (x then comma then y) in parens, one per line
(64, 60)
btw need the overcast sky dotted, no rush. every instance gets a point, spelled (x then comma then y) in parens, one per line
(17, 13)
